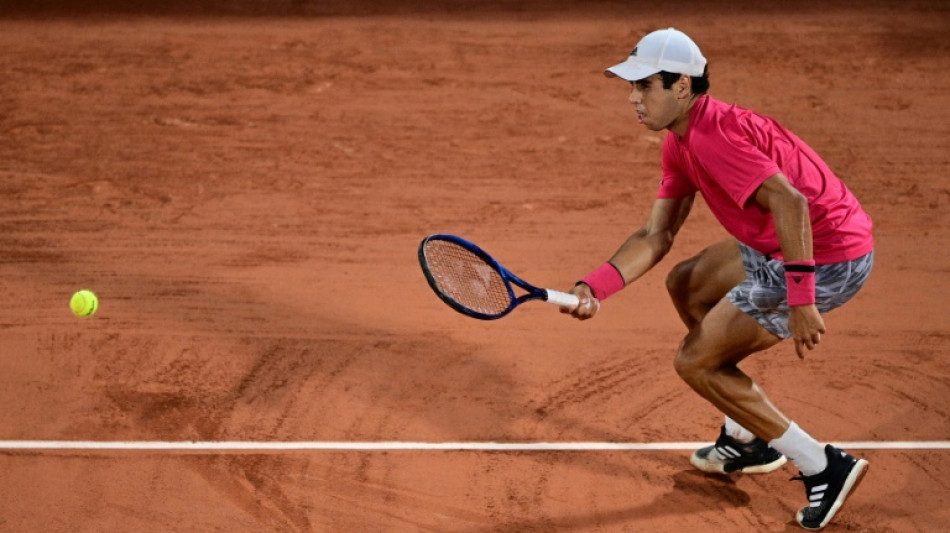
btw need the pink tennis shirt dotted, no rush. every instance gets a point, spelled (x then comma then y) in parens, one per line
(728, 152)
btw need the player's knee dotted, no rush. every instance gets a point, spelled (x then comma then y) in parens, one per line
(677, 281)
(691, 366)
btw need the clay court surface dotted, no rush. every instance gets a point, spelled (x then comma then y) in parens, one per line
(246, 189)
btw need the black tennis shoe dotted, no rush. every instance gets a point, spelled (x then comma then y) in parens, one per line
(828, 490)
(728, 455)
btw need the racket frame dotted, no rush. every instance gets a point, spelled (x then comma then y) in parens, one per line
(509, 278)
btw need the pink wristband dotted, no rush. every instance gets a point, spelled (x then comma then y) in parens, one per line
(604, 280)
(800, 279)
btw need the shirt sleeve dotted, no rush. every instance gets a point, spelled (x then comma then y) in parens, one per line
(674, 182)
(732, 158)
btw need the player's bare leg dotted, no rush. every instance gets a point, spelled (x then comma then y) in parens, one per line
(697, 284)
(720, 336)
(707, 360)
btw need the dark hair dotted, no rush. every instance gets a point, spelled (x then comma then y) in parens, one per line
(699, 84)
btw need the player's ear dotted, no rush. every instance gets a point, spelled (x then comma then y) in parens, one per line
(684, 86)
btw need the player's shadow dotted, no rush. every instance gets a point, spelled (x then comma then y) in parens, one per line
(717, 489)
(692, 492)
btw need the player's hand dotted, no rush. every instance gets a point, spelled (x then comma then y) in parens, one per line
(588, 305)
(806, 327)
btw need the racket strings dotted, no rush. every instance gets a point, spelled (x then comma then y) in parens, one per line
(466, 278)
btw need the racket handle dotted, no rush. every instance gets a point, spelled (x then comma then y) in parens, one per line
(562, 299)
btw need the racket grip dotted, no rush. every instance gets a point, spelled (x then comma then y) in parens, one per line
(562, 299)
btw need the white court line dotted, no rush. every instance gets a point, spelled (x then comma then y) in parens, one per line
(222, 446)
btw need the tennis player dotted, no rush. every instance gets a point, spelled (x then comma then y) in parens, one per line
(801, 247)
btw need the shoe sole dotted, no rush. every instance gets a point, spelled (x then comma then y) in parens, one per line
(850, 483)
(719, 468)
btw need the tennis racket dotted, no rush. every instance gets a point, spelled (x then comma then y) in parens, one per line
(473, 283)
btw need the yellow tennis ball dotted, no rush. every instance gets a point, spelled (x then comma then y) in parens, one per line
(84, 303)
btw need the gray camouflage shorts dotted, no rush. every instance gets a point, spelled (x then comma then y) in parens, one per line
(763, 293)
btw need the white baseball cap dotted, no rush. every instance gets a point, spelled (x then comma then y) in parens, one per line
(667, 50)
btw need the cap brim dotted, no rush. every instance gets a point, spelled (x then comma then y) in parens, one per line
(631, 70)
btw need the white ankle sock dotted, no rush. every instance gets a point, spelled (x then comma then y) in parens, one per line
(803, 450)
(734, 430)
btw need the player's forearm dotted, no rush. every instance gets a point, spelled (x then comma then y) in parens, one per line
(645, 248)
(793, 227)
(790, 215)
(641, 252)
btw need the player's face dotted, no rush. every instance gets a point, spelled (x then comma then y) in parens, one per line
(657, 108)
